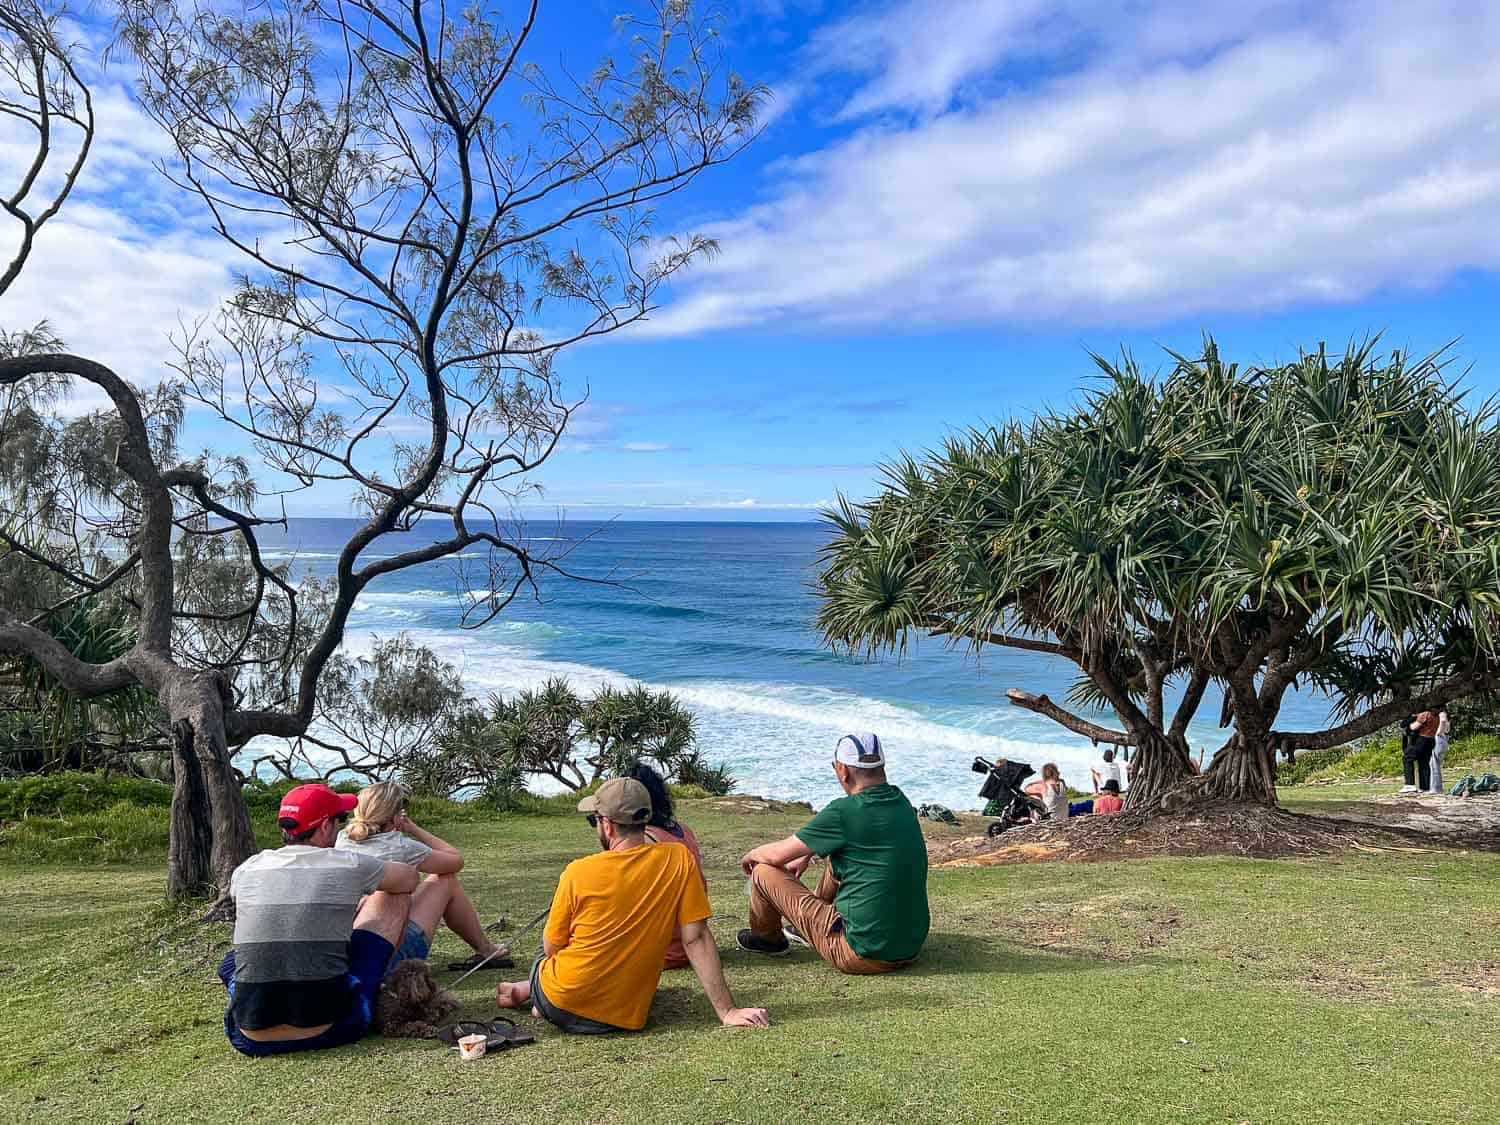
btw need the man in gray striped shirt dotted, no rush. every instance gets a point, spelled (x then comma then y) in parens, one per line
(315, 931)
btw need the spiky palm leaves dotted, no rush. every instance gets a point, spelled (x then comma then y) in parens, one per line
(1330, 522)
(555, 732)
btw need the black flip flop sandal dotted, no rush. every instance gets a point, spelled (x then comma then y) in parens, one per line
(503, 961)
(500, 1033)
(504, 1033)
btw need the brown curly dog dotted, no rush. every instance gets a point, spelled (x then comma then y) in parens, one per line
(411, 1004)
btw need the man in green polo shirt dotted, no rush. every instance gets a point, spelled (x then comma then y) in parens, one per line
(869, 913)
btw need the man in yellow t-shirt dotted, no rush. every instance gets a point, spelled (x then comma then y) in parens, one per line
(612, 918)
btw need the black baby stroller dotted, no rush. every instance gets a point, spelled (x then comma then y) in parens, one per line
(1002, 789)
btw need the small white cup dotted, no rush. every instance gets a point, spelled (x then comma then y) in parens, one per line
(472, 1046)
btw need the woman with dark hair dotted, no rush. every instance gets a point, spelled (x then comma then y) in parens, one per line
(663, 828)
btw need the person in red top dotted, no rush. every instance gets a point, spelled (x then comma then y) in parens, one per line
(1109, 801)
(664, 828)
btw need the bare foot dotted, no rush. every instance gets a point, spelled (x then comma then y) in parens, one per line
(513, 993)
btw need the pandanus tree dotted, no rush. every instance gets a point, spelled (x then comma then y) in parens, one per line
(427, 217)
(552, 732)
(1330, 525)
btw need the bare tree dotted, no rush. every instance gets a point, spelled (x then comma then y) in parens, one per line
(376, 714)
(40, 88)
(427, 219)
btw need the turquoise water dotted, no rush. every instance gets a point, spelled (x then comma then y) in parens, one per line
(722, 614)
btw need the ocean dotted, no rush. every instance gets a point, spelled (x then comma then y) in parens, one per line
(722, 615)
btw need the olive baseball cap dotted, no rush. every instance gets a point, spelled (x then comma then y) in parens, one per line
(623, 800)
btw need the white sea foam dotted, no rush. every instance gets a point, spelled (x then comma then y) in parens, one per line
(778, 738)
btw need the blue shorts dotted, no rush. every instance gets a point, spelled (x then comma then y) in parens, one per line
(414, 945)
(370, 957)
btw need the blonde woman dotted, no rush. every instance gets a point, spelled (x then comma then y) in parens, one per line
(381, 828)
(1052, 791)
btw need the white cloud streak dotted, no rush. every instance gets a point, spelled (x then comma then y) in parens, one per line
(129, 258)
(1256, 159)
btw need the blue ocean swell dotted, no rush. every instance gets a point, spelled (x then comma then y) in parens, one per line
(723, 614)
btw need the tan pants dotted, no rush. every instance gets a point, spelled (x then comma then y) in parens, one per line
(775, 895)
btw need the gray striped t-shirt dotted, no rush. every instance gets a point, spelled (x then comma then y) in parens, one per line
(294, 912)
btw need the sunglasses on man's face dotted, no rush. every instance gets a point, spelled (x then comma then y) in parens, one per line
(593, 819)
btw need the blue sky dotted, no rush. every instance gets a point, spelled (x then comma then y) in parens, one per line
(952, 202)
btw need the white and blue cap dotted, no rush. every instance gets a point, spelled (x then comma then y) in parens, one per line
(862, 751)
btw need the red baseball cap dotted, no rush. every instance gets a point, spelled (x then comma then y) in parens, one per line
(310, 805)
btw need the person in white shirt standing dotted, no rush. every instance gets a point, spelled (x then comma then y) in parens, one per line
(1106, 769)
(1439, 748)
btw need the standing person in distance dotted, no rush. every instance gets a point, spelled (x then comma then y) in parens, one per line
(1419, 737)
(665, 828)
(1440, 748)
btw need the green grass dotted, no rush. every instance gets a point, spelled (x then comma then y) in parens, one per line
(1383, 759)
(1354, 988)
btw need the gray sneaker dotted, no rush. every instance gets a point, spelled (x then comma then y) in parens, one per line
(791, 933)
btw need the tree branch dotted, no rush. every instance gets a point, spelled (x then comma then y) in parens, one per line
(1041, 705)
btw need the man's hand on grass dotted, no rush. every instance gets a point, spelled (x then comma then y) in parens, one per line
(746, 1017)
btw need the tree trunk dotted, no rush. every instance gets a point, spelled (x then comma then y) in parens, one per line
(1162, 765)
(189, 850)
(195, 703)
(1244, 770)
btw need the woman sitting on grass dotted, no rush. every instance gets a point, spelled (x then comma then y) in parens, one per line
(1109, 801)
(663, 827)
(1052, 791)
(382, 829)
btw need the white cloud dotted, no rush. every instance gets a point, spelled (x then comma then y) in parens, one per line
(127, 261)
(1185, 165)
(645, 447)
(917, 53)
(751, 504)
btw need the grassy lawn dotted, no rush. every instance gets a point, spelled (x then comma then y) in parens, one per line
(1364, 987)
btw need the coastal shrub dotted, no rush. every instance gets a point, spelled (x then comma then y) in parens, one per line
(555, 733)
(1309, 763)
(119, 833)
(716, 781)
(73, 794)
(1382, 758)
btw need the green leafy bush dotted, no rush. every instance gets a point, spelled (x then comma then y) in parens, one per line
(1309, 763)
(119, 833)
(1382, 758)
(72, 794)
(263, 798)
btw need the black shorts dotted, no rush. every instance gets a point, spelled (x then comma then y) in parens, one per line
(578, 1025)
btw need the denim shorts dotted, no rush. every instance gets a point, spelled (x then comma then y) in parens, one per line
(370, 955)
(414, 945)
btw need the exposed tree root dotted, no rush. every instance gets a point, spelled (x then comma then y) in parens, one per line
(1253, 831)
